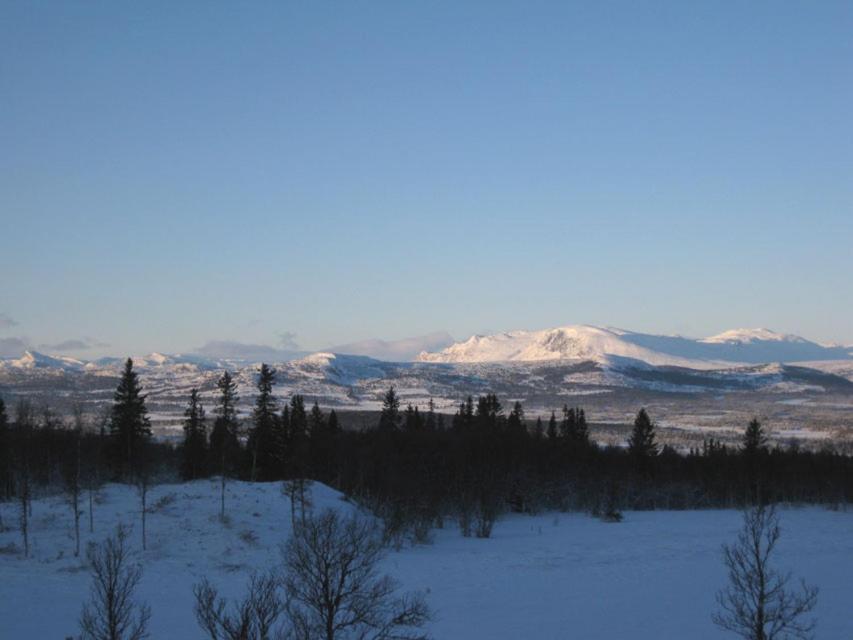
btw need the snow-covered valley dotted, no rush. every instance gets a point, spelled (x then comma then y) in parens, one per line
(800, 387)
(547, 576)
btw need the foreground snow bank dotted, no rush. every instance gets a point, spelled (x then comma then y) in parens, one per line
(551, 576)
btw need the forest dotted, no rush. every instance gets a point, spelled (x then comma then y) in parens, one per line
(414, 468)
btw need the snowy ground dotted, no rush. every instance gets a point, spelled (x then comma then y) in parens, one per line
(551, 576)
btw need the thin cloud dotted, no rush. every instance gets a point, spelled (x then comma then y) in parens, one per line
(13, 347)
(287, 340)
(73, 344)
(233, 350)
(7, 321)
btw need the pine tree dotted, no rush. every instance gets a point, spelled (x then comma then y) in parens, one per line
(224, 441)
(642, 443)
(262, 434)
(334, 427)
(224, 437)
(754, 439)
(515, 422)
(568, 423)
(389, 418)
(297, 463)
(298, 418)
(129, 424)
(316, 421)
(552, 427)
(538, 431)
(284, 446)
(489, 411)
(412, 419)
(195, 439)
(429, 423)
(581, 428)
(574, 428)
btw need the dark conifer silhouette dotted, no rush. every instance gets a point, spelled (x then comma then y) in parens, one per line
(754, 438)
(642, 443)
(129, 424)
(194, 450)
(262, 445)
(334, 427)
(316, 421)
(516, 422)
(552, 427)
(389, 418)
(224, 440)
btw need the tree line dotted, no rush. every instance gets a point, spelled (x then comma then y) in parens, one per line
(415, 468)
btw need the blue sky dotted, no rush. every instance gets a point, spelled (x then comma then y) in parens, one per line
(174, 173)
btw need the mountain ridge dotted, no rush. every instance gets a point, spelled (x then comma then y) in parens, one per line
(599, 344)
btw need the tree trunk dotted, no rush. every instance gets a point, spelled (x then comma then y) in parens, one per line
(222, 490)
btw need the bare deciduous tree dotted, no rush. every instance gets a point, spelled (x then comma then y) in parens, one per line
(24, 424)
(334, 588)
(251, 619)
(71, 475)
(112, 613)
(298, 491)
(758, 604)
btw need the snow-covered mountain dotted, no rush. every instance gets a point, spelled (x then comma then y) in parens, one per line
(602, 345)
(538, 367)
(35, 360)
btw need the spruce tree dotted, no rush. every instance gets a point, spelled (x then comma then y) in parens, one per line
(389, 418)
(538, 431)
(642, 443)
(298, 418)
(297, 463)
(568, 423)
(129, 424)
(264, 418)
(194, 451)
(316, 421)
(334, 427)
(575, 429)
(515, 422)
(430, 423)
(552, 427)
(224, 442)
(489, 411)
(581, 428)
(754, 438)
(412, 419)
(284, 436)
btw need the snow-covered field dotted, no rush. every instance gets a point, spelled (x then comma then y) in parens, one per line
(652, 576)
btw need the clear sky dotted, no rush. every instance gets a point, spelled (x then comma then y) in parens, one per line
(175, 172)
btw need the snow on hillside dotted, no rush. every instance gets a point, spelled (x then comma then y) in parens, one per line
(742, 336)
(542, 577)
(575, 342)
(599, 344)
(36, 360)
